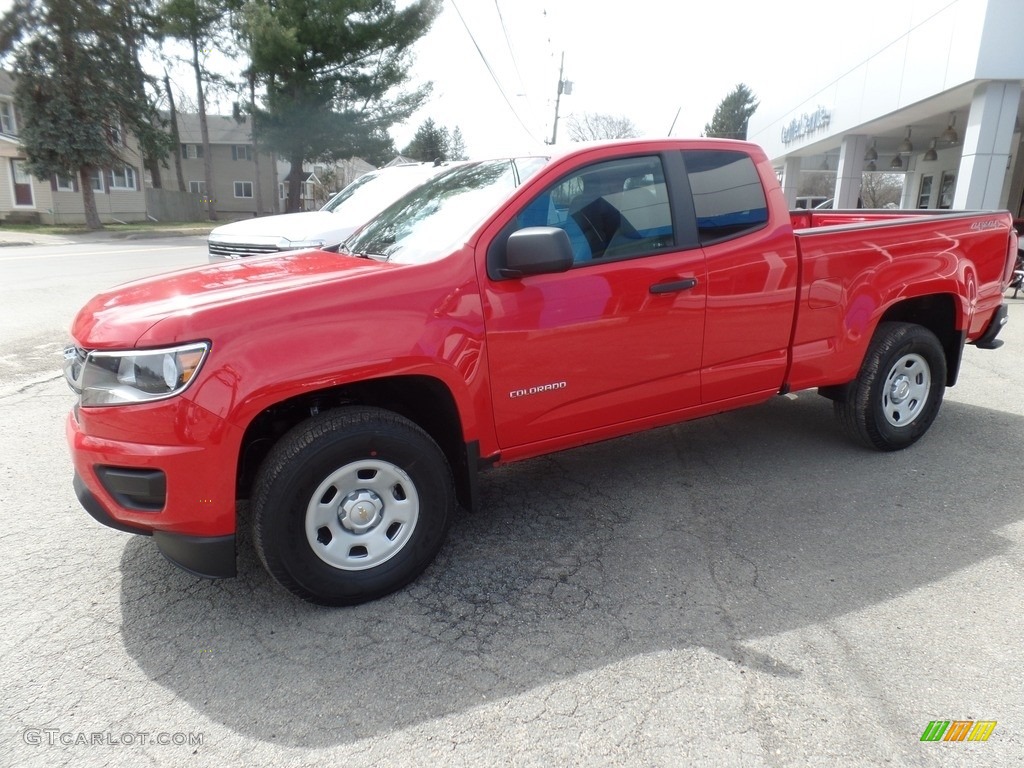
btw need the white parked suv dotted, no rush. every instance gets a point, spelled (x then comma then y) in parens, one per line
(348, 210)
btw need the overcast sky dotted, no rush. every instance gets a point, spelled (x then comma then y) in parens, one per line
(641, 59)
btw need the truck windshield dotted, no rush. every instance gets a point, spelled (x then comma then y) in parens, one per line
(429, 222)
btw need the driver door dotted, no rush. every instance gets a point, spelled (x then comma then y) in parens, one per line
(615, 339)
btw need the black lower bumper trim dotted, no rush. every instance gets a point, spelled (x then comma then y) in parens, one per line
(988, 339)
(211, 557)
(99, 513)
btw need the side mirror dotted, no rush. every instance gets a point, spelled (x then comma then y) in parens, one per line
(537, 251)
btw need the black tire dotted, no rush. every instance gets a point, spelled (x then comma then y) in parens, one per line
(897, 394)
(351, 505)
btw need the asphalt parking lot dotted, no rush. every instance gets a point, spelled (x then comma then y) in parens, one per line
(745, 590)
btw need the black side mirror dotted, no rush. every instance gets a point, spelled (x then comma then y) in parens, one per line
(537, 251)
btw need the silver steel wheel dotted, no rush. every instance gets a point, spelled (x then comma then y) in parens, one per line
(905, 390)
(362, 515)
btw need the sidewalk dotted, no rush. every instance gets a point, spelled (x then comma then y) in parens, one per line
(17, 237)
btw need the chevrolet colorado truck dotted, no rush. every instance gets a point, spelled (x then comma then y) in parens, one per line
(504, 310)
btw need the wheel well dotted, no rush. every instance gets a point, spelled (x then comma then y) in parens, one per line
(421, 399)
(937, 313)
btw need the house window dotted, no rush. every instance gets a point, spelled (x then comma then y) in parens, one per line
(191, 151)
(115, 134)
(243, 189)
(241, 152)
(96, 180)
(64, 183)
(122, 177)
(7, 124)
(197, 187)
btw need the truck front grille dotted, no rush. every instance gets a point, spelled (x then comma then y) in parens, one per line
(239, 250)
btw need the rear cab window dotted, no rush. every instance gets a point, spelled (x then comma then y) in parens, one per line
(728, 197)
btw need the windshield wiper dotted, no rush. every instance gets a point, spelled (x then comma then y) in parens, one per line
(344, 250)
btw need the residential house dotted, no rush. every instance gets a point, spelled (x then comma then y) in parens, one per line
(320, 180)
(234, 169)
(58, 200)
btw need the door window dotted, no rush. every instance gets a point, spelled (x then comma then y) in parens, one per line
(610, 210)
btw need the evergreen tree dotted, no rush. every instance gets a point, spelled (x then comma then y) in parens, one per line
(457, 146)
(330, 69)
(434, 142)
(732, 114)
(429, 143)
(378, 148)
(66, 56)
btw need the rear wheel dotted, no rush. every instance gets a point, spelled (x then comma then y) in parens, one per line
(351, 505)
(897, 394)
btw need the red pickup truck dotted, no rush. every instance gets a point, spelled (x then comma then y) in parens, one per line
(507, 309)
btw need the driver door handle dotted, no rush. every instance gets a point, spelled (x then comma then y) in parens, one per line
(676, 285)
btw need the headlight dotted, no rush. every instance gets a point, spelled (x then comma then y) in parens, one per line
(285, 244)
(133, 376)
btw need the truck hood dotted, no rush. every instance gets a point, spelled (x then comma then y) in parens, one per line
(120, 317)
(332, 228)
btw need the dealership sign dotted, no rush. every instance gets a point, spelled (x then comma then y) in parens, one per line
(805, 125)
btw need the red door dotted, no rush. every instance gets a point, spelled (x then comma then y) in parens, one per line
(22, 185)
(618, 337)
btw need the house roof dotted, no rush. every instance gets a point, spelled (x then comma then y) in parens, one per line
(304, 176)
(223, 129)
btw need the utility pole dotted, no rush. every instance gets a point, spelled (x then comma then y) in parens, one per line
(564, 86)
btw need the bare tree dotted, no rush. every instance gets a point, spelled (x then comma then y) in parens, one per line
(817, 184)
(591, 126)
(175, 136)
(881, 190)
(199, 24)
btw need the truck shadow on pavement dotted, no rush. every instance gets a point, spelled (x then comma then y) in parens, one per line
(707, 535)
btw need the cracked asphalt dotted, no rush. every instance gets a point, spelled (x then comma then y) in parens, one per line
(744, 590)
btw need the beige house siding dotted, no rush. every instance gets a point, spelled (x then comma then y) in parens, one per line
(10, 150)
(231, 150)
(53, 206)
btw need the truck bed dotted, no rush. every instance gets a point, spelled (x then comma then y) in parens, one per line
(854, 264)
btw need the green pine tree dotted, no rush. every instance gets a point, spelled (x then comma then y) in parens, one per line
(331, 69)
(732, 114)
(429, 143)
(66, 55)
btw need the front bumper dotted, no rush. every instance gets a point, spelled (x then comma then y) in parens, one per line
(165, 469)
(211, 557)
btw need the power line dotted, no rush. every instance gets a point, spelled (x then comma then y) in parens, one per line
(493, 76)
(508, 44)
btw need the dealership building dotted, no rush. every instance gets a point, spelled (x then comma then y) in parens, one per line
(940, 104)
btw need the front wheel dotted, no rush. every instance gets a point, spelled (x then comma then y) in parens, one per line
(351, 505)
(897, 394)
